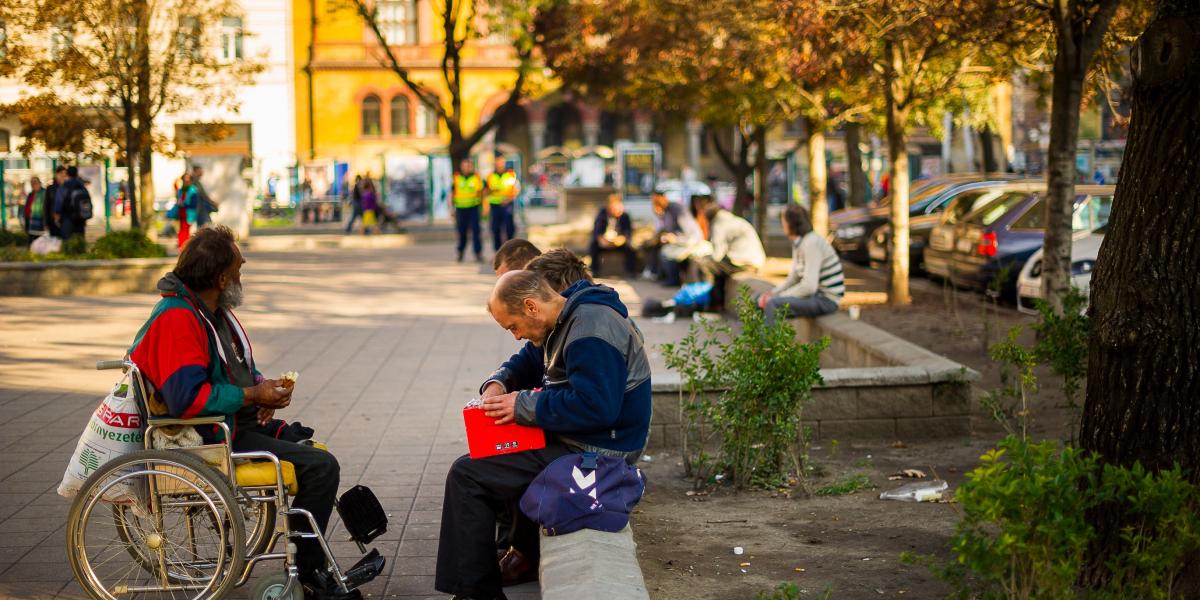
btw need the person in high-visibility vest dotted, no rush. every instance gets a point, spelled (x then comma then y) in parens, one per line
(468, 198)
(502, 190)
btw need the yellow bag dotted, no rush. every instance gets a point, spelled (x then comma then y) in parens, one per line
(368, 218)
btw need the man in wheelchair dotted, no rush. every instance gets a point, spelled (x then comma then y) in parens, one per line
(200, 362)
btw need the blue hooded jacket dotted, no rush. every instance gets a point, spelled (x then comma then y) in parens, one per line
(593, 372)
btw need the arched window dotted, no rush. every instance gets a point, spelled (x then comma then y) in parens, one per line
(427, 121)
(400, 116)
(371, 115)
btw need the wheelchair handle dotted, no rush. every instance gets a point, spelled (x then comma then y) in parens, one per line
(104, 365)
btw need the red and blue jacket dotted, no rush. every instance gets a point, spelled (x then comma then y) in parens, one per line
(178, 351)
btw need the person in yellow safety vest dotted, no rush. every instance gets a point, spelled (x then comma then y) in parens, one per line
(502, 190)
(468, 198)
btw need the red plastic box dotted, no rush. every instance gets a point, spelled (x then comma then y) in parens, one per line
(486, 438)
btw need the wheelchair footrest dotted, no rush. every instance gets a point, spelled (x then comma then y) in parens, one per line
(367, 568)
(362, 515)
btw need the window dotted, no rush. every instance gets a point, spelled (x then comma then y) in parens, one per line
(1034, 219)
(400, 115)
(187, 38)
(427, 121)
(232, 35)
(4, 145)
(1099, 208)
(398, 21)
(371, 115)
(998, 208)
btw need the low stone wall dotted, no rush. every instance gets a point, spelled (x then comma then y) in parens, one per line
(83, 277)
(892, 389)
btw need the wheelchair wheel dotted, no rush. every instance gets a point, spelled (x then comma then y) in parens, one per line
(271, 588)
(186, 541)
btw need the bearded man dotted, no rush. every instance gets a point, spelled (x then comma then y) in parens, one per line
(583, 377)
(200, 362)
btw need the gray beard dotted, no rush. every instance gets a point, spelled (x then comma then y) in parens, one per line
(231, 297)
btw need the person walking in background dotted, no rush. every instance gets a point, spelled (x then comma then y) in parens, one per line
(33, 214)
(613, 231)
(49, 213)
(185, 206)
(815, 284)
(468, 198)
(370, 206)
(73, 205)
(205, 205)
(502, 189)
(356, 207)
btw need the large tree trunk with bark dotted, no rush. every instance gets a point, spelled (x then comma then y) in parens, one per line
(760, 194)
(1060, 184)
(897, 130)
(855, 178)
(1144, 344)
(817, 178)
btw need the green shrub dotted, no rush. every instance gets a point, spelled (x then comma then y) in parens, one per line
(1063, 341)
(1024, 531)
(127, 244)
(848, 484)
(13, 239)
(75, 246)
(765, 376)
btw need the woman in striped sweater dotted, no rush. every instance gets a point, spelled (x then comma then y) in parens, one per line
(815, 285)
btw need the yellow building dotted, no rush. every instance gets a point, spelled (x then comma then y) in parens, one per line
(351, 109)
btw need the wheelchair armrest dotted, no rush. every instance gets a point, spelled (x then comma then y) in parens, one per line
(168, 422)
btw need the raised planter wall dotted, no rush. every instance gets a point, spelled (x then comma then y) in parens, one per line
(83, 277)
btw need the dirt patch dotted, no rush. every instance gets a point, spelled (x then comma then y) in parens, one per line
(849, 544)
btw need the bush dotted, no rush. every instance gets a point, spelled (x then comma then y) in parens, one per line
(765, 376)
(127, 244)
(13, 239)
(1063, 341)
(1024, 531)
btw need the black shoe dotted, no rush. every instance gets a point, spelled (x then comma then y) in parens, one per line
(460, 256)
(479, 258)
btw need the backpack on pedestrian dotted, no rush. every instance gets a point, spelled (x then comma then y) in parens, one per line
(81, 203)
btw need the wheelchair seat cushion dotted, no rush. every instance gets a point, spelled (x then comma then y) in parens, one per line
(261, 473)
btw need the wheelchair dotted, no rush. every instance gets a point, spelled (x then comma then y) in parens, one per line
(194, 522)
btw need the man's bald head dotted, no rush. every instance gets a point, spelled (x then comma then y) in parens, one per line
(524, 304)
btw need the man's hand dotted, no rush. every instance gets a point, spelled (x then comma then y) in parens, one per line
(502, 407)
(265, 415)
(492, 389)
(764, 298)
(269, 393)
(668, 238)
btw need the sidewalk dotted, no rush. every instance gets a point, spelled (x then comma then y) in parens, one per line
(388, 343)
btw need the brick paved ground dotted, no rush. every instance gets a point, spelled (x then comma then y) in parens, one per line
(388, 344)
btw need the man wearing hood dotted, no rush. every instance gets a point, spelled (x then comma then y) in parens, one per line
(589, 361)
(200, 362)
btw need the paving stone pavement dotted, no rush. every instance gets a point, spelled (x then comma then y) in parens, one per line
(389, 344)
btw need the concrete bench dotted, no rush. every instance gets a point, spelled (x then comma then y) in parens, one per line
(591, 565)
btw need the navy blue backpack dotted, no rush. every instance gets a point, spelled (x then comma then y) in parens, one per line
(584, 491)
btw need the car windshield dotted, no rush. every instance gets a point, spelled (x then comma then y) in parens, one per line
(996, 209)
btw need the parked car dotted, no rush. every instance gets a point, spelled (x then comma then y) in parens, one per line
(1085, 247)
(940, 247)
(851, 231)
(922, 222)
(990, 255)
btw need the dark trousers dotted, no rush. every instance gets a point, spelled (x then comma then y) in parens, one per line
(629, 256)
(718, 273)
(356, 215)
(317, 473)
(72, 227)
(476, 491)
(467, 219)
(502, 223)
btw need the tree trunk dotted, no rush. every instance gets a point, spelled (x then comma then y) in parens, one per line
(1060, 184)
(897, 130)
(986, 143)
(1144, 342)
(146, 176)
(760, 194)
(855, 178)
(817, 180)
(131, 183)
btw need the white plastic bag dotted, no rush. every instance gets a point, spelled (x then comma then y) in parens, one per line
(114, 429)
(46, 244)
